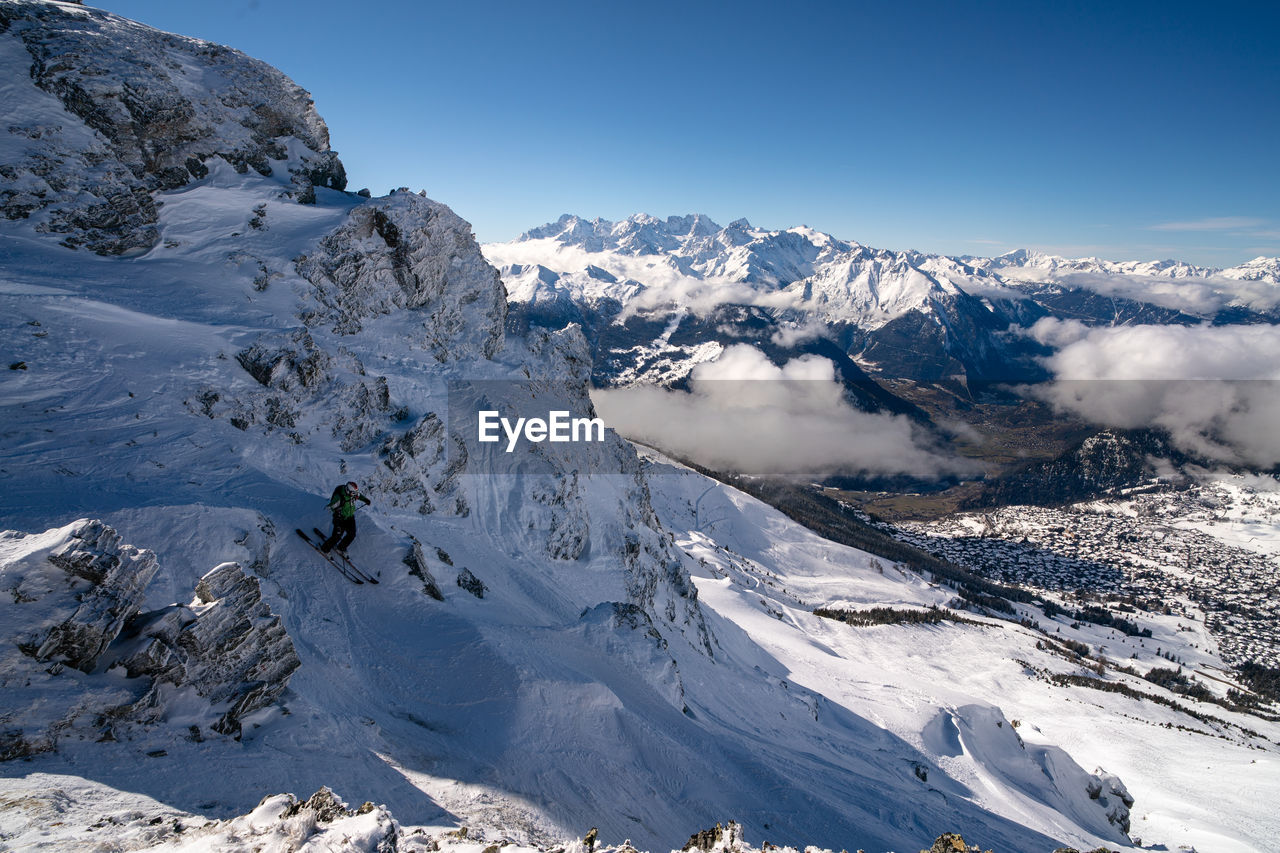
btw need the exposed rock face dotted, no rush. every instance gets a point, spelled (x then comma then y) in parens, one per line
(399, 254)
(406, 251)
(227, 646)
(99, 584)
(568, 526)
(71, 609)
(420, 468)
(115, 111)
(471, 583)
(1112, 795)
(325, 805)
(287, 363)
(420, 567)
(296, 378)
(950, 842)
(718, 838)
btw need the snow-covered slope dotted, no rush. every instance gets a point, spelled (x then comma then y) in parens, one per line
(565, 638)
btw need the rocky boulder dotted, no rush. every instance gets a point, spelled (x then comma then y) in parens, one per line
(300, 388)
(76, 600)
(70, 612)
(1110, 793)
(226, 646)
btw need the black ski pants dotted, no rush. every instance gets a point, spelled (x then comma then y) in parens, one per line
(344, 533)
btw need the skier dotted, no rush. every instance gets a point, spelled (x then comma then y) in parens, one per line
(343, 506)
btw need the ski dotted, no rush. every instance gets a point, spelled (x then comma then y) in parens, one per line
(360, 573)
(328, 559)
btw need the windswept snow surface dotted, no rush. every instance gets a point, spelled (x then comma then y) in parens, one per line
(953, 692)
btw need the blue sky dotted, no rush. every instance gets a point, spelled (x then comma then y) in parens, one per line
(1129, 130)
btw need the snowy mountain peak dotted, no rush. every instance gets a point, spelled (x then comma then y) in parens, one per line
(570, 230)
(101, 112)
(1259, 269)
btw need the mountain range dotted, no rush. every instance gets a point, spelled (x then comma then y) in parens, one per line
(980, 355)
(656, 296)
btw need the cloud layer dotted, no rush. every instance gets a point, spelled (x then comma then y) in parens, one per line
(1213, 388)
(745, 414)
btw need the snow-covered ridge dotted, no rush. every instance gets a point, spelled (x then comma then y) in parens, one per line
(656, 261)
(654, 295)
(1025, 263)
(703, 265)
(795, 286)
(696, 234)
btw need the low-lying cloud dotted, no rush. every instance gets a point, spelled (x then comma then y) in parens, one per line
(748, 415)
(1213, 388)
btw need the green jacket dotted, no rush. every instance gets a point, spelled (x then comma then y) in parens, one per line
(343, 503)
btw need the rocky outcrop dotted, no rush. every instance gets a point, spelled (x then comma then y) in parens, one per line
(719, 837)
(403, 254)
(71, 612)
(420, 468)
(420, 568)
(94, 583)
(295, 381)
(286, 362)
(567, 525)
(952, 842)
(1111, 794)
(227, 646)
(67, 594)
(115, 111)
(406, 251)
(325, 805)
(471, 583)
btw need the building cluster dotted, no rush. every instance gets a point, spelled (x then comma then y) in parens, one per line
(1142, 553)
